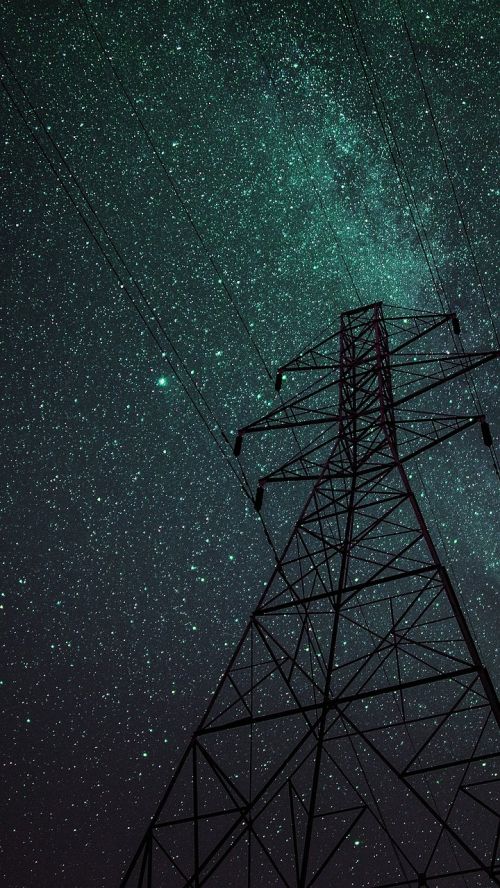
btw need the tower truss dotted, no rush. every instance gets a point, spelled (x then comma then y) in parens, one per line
(354, 738)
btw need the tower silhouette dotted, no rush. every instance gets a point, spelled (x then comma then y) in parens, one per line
(354, 738)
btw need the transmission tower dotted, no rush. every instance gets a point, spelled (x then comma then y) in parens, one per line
(354, 738)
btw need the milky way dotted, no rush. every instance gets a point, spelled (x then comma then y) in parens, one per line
(131, 558)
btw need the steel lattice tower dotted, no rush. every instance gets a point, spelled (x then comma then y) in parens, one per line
(354, 739)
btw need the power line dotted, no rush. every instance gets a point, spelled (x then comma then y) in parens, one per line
(173, 185)
(448, 171)
(123, 286)
(105, 230)
(239, 473)
(291, 132)
(409, 195)
(394, 151)
(171, 181)
(215, 265)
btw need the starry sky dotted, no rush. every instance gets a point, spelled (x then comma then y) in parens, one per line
(252, 197)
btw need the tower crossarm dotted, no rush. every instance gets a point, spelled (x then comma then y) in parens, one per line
(441, 369)
(415, 434)
(323, 355)
(393, 386)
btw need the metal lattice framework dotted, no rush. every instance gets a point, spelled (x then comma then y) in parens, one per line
(354, 738)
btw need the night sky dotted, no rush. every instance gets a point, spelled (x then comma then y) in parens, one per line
(131, 558)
